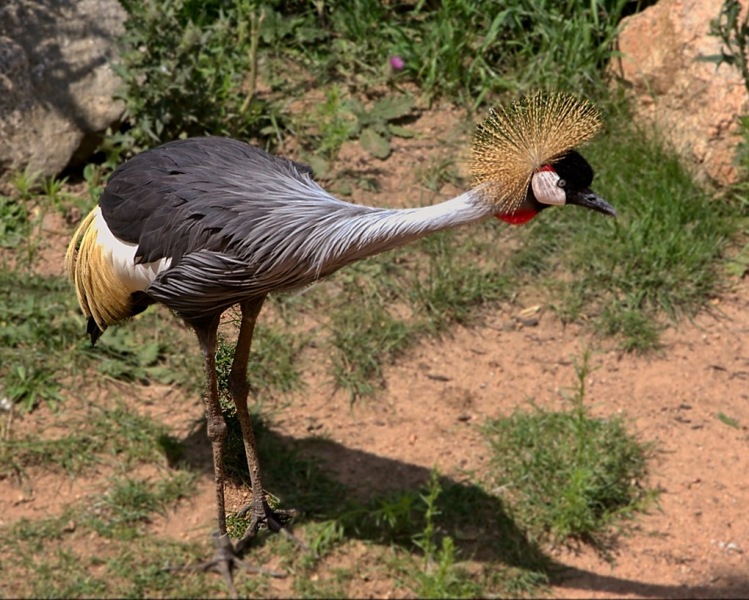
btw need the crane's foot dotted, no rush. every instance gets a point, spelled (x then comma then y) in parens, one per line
(226, 560)
(262, 516)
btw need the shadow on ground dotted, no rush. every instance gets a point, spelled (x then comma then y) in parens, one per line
(728, 586)
(306, 474)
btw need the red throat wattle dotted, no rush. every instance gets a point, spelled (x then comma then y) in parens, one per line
(523, 215)
(519, 217)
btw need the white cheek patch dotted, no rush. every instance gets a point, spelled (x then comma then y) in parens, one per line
(546, 189)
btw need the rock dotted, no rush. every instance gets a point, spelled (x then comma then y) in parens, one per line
(56, 82)
(693, 105)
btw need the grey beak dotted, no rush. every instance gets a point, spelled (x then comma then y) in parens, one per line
(589, 199)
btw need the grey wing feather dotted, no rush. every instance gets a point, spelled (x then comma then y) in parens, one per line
(282, 254)
(178, 198)
(235, 221)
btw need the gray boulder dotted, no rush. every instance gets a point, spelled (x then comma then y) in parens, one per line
(56, 81)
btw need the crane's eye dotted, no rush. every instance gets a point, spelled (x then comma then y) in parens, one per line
(562, 183)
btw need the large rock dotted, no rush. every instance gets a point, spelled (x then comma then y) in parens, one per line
(693, 104)
(56, 82)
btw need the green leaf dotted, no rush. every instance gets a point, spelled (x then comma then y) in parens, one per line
(392, 107)
(730, 421)
(374, 143)
(402, 132)
(148, 354)
(356, 108)
(319, 165)
(343, 188)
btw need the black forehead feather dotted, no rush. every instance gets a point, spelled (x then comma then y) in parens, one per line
(575, 170)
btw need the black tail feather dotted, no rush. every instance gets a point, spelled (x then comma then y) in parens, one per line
(139, 301)
(92, 329)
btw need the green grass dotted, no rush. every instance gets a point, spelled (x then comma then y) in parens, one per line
(106, 433)
(364, 332)
(21, 214)
(657, 262)
(455, 280)
(31, 360)
(273, 364)
(48, 558)
(570, 476)
(129, 503)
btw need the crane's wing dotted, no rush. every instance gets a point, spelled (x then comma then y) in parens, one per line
(232, 220)
(179, 198)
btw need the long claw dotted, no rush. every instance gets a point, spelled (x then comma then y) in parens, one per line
(225, 561)
(263, 516)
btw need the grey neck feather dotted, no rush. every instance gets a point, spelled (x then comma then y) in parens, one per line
(359, 234)
(291, 235)
(314, 229)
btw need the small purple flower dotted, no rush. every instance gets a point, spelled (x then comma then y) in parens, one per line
(397, 63)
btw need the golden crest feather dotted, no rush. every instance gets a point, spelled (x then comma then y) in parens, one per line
(513, 143)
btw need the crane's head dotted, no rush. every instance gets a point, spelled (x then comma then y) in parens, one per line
(524, 157)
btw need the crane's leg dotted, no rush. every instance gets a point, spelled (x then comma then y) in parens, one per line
(262, 515)
(226, 558)
(207, 337)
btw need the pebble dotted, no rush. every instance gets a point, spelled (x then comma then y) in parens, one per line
(730, 547)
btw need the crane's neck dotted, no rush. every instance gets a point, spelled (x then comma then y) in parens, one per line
(360, 231)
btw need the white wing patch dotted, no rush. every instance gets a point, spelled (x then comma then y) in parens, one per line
(546, 188)
(122, 256)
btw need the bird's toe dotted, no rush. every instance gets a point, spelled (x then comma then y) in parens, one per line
(225, 561)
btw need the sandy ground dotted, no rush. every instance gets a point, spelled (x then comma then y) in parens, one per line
(694, 544)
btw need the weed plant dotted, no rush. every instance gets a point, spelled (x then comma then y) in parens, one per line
(569, 475)
(193, 68)
(190, 70)
(14, 221)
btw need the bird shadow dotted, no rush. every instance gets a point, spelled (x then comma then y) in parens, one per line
(729, 586)
(375, 498)
(381, 500)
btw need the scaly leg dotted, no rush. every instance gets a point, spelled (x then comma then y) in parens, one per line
(226, 558)
(217, 432)
(262, 515)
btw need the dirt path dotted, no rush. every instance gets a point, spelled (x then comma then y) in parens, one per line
(694, 545)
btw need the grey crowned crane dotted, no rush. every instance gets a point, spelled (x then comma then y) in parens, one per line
(203, 224)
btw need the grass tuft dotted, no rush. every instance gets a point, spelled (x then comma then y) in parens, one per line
(658, 260)
(128, 504)
(569, 476)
